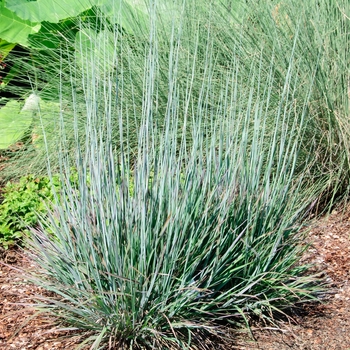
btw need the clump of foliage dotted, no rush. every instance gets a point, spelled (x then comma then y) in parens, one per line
(22, 203)
(187, 209)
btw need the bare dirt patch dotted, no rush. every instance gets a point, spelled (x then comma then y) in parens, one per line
(324, 326)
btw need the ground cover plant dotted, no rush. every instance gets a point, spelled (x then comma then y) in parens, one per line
(197, 159)
(21, 203)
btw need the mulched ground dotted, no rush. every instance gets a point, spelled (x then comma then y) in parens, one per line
(19, 328)
(325, 326)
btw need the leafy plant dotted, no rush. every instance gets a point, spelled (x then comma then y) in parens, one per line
(21, 205)
(13, 124)
(13, 28)
(5, 48)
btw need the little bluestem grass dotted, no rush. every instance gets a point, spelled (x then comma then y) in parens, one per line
(196, 226)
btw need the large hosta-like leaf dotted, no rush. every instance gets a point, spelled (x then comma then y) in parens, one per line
(129, 14)
(13, 123)
(5, 48)
(13, 29)
(49, 10)
(55, 10)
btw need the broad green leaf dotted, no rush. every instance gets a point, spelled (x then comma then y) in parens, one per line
(129, 14)
(48, 37)
(13, 123)
(53, 11)
(13, 29)
(5, 48)
(49, 10)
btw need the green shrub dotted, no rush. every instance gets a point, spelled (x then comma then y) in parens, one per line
(22, 203)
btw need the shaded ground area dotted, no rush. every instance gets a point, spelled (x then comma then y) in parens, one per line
(325, 326)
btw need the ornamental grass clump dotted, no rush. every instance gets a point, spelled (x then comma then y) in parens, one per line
(319, 32)
(194, 228)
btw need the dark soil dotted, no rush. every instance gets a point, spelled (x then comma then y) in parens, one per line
(323, 326)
